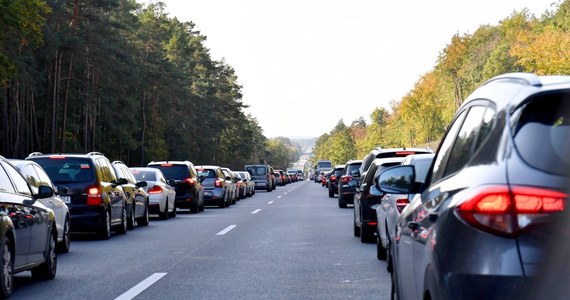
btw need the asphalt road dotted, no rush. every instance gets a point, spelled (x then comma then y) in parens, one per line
(292, 243)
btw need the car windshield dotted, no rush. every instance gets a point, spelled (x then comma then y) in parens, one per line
(67, 169)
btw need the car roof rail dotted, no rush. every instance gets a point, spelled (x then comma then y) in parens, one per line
(118, 162)
(35, 154)
(524, 78)
(95, 153)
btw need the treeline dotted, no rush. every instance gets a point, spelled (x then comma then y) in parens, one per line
(520, 43)
(121, 78)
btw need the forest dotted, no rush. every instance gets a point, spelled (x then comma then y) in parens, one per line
(124, 79)
(519, 43)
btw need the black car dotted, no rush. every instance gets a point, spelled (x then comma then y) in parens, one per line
(183, 177)
(367, 198)
(498, 183)
(332, 182)
(380, 152)
(27, 227)
(137, 198)
(348, 182)
(93, 193)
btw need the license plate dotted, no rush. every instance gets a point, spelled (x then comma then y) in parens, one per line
(66, 199)
(207, 194)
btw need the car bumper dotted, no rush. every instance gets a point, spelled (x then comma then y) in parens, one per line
(86, 219)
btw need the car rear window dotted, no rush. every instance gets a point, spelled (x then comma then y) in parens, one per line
(541, 134)
(257, 171)
(351, 167)
(61, 169)
(208, 173)
(170, 171)
(144, 175)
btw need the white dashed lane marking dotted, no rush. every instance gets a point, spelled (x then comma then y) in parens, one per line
(226, 230)
(256, 211)
(139, 288)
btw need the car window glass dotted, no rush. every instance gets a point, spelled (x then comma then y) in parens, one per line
(5, 182)
(445, 148)
(44, 178)
(19, 182)
(422, 167)
(31, 175)
(464, 144)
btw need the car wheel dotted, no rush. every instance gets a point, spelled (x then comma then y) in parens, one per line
(122, 228)
(194, 208)
(394, 286)
(145, 219)
(164, 215)
(356, 230)
(48, 268)
(131, 219)
(269, 189)
(6, 274)
(381, 252)
(105, 233)
(173, 213)
(366, 235)
(331, 193)
(65, 244)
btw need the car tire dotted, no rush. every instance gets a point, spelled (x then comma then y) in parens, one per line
(269, 189)
(356, 230)
(105, 232)
(394, 286)
(194, 208)
(65, 244)
(122, 228)
(48, 268)
(164, 215)
(331, 193)
(381, 252)
(145, 219)
(366, 235)
(173, 213)
(7, 268)
(131, 219)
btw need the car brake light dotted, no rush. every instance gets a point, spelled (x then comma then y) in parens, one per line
(218, 183)
(345, 179)
(57, 157)
(401, 203)
(333, 178)
(504, 211)
(94, 196)
(190, 181)
(166, 165)
(157, 189)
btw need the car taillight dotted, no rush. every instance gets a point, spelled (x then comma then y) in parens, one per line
(218, 183)
(57, 157)
(190, 181)
(157, 189)
(504, 211)
(401, 203)
(94, 196)
(345, 179)
(333, 178)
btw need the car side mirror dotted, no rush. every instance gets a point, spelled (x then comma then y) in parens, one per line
(171, 182)
(141, 184)
(60, 189)
(396, 180)
(122, 181)
(45, 191)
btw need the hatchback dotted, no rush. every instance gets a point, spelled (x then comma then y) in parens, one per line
(217, 190)
(480, 227)
(183, 177)
(348, 182)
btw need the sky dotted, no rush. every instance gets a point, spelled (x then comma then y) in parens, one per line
(306, 64)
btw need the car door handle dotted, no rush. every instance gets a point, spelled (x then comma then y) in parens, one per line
(413, 225)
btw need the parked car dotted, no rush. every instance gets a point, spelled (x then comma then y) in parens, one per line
(348, 182)
(233, 183)
(391, 205)
(183, 177)
(279, 178)
(91, 190)
(217, 189)
(36, 177)
(28, 228)
(333, 180)
(366, 199)
(260, 174)
(250, 186)
(161, 195)
(137, 198)
(487, 211)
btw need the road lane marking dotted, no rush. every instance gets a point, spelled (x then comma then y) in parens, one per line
(279, 197)
(270, 202)
(256, 211)
(226, 230)
(139, 288)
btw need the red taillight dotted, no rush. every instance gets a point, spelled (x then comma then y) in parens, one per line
(166, 165)
(346, 179)
(505, 211)
(218, 183)
(157, 189)
(190, 181)
(57, 157)
(94, 196)
(401, 203)
(333, 178)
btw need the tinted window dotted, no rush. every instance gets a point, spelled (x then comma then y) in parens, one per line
(19, 182)
(208, 173)
(144, 175)
(176, 172)
(445, 148)
(422, 167)
(324, 165)
(67, 169)
(44, 178)
(5, 182)
(257, 171)
(542, 132)
(351, 167)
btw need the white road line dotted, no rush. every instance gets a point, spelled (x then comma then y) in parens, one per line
(285, 193)
(256, 211)
(226, 230)
(279, 197)
(270, 202)
(139, 288)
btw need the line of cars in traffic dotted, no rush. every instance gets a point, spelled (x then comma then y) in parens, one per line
(478, 218)
(47, 197)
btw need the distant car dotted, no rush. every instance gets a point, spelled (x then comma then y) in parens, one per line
(137, 198)
(217, 189)
(348, 182)
(488, 211)
(28, 229)
(36, 176)
(367, 198)
(333, 180)
(250, 186)
(279, 178)
(260, 174)
(96, 200)
(161, 195)
(183, 177)
(391, 205)
(233, 183)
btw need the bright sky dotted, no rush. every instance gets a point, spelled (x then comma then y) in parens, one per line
(306, 64)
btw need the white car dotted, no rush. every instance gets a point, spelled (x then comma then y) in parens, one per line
(161, 195)
(36, 176)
